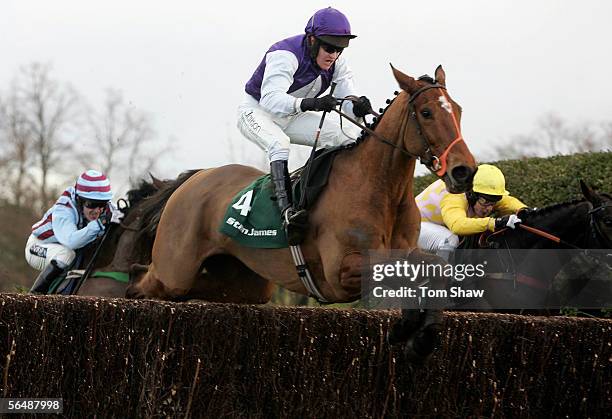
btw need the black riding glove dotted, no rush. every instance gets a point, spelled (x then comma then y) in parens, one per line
(325, 103)
(510, 220)
(362, 107)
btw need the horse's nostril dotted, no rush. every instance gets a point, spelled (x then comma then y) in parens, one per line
(461, 173)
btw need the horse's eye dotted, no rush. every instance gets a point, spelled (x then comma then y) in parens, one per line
(608, 222)
(426, 113)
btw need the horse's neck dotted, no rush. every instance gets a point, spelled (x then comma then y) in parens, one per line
(570, 222)
(383, 169)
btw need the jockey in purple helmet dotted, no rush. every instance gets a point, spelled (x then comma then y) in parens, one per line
(70, 224)
(283, 95)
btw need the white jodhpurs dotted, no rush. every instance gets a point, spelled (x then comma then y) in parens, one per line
(39, 255)
(437, 238)
(273, 134)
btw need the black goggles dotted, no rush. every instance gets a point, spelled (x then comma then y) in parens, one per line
(330, 49)
(488, 200)
(88, 203)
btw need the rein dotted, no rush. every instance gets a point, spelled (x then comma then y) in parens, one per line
(374, 134)
(434, 163)
(597, 234)
(546, 235)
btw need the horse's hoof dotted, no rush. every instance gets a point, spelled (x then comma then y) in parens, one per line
(413, 356)
(134, 293)
(405, 327)
(422, 344)
(398, 334)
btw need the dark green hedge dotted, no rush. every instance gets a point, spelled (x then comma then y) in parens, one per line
(543, 181)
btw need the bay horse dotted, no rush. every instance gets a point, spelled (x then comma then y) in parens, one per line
(130, 242)
(519, 276)
(367, 204)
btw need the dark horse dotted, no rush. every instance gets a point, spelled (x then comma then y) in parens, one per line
(129, 242)
(553, 269)
(367, 204)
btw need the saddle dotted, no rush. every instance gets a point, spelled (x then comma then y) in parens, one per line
(253, 218)
(307, 190)
(66, 284)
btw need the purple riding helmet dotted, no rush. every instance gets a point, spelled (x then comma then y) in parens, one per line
(330, 26)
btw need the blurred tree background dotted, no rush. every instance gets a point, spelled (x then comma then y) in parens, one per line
(49, 134)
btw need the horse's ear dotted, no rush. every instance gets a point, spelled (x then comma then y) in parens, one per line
(589, 194)
(407, 83)
(156, 182)
(440, 76)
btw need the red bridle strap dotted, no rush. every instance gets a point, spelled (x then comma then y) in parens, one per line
(442, 159)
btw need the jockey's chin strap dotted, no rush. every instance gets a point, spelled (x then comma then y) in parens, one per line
(434, 163)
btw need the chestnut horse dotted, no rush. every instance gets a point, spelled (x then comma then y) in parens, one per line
(367, 204)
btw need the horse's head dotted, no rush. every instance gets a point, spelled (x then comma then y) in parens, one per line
(436, 119)
(601, 215)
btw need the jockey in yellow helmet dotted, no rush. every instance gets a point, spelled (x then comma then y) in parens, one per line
(446, 216)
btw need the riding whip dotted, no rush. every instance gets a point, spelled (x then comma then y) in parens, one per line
(92, 260)
(312, 153)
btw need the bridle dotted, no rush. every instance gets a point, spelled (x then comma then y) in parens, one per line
(436, 164)
(123, 206)
(596, 232)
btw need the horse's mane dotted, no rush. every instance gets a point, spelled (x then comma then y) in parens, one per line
(144, 190)
(545, 211)
(541, 217)
(364, 134)
(151, 207)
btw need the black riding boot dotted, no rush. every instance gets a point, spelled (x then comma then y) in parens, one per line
(46, 278)
(295, 223)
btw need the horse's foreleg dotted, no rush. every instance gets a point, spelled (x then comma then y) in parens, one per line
(175, 265)
(145, 283)
(420, 329)
(350, 274)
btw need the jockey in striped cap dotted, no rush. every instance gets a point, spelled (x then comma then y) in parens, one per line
(70, 224)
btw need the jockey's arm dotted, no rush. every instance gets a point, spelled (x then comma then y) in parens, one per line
(277, 79)
(343, 76)
(454, 214)
(508, 205)
(67, 233)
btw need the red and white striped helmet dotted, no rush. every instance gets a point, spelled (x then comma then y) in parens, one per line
(94, 185)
